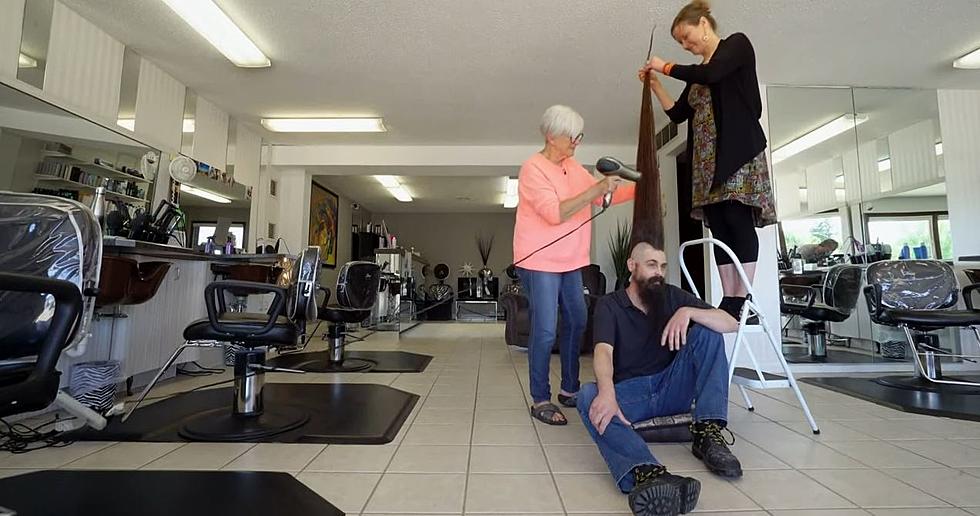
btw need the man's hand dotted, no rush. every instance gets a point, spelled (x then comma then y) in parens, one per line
(604, 408)
(675, 333)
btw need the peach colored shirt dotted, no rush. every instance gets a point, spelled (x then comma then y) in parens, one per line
(542, 186)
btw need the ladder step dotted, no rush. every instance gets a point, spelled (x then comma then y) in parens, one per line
(751, 374)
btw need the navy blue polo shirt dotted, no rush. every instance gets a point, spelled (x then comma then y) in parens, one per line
(635, 336)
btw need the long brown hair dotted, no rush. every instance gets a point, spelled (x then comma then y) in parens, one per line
(692, 13)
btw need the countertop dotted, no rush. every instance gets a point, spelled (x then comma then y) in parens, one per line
(150, 249)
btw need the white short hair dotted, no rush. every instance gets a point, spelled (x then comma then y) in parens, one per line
(561, 120)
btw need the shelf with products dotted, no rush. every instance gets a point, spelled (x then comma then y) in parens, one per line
(92, 168)
(60, 182)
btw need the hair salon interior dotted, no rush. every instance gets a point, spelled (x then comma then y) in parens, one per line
(256, 257)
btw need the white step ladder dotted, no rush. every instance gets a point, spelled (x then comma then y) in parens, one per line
(744, 377)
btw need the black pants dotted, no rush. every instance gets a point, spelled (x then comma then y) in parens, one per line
(734, 224)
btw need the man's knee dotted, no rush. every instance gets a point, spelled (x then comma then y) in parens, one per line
(586, 395)
(704, 340)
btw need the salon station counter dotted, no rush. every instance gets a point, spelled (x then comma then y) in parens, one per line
(141, 329)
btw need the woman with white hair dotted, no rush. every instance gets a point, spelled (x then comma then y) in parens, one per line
(555, 194)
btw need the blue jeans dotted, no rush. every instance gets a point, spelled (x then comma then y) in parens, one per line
(546, 292)
(698, 374)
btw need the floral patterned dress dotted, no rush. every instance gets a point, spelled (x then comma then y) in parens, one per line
(749, 185)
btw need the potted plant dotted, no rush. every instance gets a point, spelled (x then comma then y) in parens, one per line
(619, 249)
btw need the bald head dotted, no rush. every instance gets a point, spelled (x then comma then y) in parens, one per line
(646, 261)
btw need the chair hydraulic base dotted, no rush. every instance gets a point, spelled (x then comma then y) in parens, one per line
(336, 361)
(248, 419)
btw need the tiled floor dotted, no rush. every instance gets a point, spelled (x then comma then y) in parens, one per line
(470, 448)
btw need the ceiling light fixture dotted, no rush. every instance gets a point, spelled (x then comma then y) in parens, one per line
(818, 136)
(26, 61)
(394, 187)
(324, 125)
(204, 194)
(511, 198)
(215, 26)
(400, 193)
(939, 149)
(970, 61)
(388, 181)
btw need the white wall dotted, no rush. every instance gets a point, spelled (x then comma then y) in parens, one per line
(10, 28)
(450, 238)
(906, 205)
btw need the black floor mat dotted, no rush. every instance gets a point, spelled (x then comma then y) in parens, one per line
(384, 361)
(834, 356)
(943, 402)
(339, 414)
(161, 493)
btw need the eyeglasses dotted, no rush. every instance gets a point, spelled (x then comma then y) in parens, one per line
(578, 139)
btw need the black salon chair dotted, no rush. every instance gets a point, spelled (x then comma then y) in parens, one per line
(357, 290)
(28, 383)
(283, 325)
(831, 301)
(919, 296)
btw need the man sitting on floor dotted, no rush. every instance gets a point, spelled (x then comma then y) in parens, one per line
(651, 361)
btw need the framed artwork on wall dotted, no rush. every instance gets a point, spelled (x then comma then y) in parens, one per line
(324, 213)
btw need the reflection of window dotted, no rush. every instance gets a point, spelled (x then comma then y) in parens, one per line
(930, 229)
(812, 230)
(204, 230)
(945, 236)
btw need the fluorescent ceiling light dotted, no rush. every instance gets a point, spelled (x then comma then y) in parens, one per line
(818, 136)
(324, 125)
(400, 193)
(510, 198)
(970, 61)
(215, 26)
(204, 194)
(388, 181)
(939, 149)
(884, 165)
(26, 61)
(188, 126)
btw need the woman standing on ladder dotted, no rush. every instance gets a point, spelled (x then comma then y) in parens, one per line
(732, 192)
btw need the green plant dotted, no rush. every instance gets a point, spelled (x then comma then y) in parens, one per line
(619, 243)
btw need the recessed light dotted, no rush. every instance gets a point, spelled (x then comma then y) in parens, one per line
(324, 125)
(400, 193)
(215, 26)
(511, 198)
(970, 61)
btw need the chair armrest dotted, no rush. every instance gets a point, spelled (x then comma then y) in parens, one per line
(872, 294)
(68, 306)
(968, 295)
(215, 292)
(810, 292)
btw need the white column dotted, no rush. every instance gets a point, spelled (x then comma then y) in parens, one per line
(294, 207)
(959, 116)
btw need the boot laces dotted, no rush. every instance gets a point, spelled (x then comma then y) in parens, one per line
(641, 475)
(714, 433)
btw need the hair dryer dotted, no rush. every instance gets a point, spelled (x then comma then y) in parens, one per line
(609, 166)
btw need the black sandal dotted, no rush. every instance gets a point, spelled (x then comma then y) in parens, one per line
(568, 401)
(545, 412)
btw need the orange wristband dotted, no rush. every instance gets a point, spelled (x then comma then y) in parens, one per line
(667, 68)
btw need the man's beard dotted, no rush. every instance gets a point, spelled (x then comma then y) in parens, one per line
(654, 297)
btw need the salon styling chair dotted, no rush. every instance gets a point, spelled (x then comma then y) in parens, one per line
(45, 243)
(919, 297)
(251, 334)
(831, 301)
(358, 285)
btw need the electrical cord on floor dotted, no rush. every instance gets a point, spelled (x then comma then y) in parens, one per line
(199, 371)
(19, 438)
